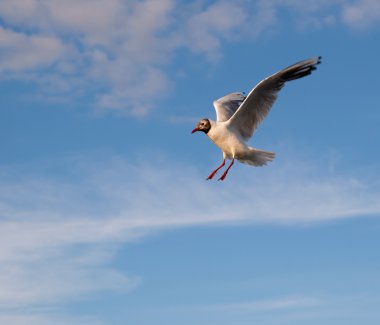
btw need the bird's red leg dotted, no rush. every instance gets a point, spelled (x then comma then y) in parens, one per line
(214, 172)
(225, 173)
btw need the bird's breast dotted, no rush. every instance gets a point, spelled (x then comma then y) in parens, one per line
(226, 140)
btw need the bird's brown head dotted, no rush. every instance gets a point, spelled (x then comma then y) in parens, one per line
(203, 125)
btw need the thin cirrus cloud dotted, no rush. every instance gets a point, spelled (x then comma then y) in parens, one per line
(44, 318)
(119, 52)
(76, 228)
(263, 306)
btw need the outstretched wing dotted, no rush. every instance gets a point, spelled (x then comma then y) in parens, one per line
(226, 106)
(259, 101)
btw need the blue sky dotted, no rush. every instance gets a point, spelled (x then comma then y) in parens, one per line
(106, 217)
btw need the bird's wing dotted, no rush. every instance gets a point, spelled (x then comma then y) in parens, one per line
(259, 101)
(226, 106)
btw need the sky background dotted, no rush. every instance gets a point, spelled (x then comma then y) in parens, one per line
(105, 214)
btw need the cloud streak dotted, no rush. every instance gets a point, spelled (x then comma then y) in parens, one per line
(263, 306)
(76, 227)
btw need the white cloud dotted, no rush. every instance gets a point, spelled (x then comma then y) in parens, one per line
(19, 51)
(112, 48)
(58, 239)
(208, 28)
(261, 306)
(294, 309)
(117, 51)
(37, 317)
(362, 13)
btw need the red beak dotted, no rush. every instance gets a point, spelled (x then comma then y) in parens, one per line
(195, 130)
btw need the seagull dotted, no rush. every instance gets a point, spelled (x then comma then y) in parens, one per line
(238, 116)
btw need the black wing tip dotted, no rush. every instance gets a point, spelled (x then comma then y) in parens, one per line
(301, 69)
(313, 62)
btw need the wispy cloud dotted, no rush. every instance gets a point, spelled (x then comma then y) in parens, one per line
(362, 13)
(19, 51)
(37, 317)
(119, 48)
(76, 227)
(287, 309)
(118, 51)
(263, 306)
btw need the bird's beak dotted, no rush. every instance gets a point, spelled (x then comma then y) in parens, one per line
(195, 130)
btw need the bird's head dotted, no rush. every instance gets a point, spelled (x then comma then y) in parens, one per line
(203, 125)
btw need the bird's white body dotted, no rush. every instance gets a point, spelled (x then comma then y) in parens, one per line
(226, 139)
(233, 146)
(238, 116)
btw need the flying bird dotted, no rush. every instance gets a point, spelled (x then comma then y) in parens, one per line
(238, 116)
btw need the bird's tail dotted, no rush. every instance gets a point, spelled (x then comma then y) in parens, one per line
(257, 157)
